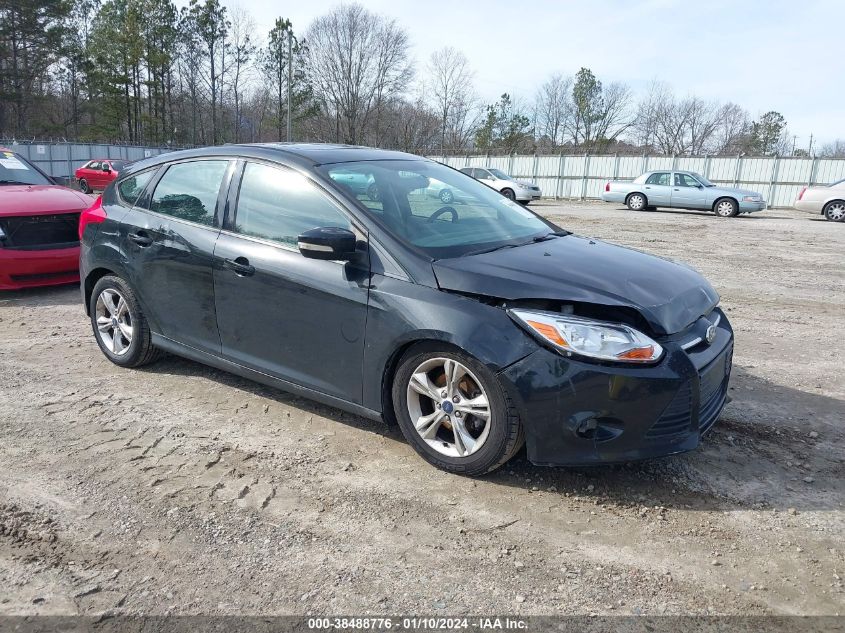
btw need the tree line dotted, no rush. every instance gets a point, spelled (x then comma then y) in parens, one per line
(146, 72)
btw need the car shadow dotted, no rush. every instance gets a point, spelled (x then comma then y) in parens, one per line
(178, 366)
(756, 215)
(760, 455)
(66, 294)
(773, 447)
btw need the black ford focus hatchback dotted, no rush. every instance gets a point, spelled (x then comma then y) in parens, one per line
(339, 273)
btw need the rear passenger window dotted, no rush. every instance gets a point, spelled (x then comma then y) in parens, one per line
(130, 188)
(188, 191)
(280, 204)
(660, 178)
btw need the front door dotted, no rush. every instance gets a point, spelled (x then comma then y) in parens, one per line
(687, 192)
(170, 245)
(298, 319)
(658, 190)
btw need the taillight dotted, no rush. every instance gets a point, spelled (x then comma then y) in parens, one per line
(607, 186)
(801, 195)
(95, 214)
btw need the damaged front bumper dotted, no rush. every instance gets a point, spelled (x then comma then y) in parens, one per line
(576, 412)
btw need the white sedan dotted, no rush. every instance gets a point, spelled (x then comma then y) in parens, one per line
(826, 200)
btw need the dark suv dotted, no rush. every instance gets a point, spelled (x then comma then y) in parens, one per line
(477, 325)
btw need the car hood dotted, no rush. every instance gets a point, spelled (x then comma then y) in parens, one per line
(41, 200)
(669, 295)
(731, 191)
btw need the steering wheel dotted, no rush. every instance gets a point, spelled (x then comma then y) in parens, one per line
(443, 210)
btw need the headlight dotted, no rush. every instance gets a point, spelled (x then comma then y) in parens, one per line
(752, 199)
(585, 337)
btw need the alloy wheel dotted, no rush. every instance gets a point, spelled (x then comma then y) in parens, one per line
(448, 407)
(114, 321)
(835, 211)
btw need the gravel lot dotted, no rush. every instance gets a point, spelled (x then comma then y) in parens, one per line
(181, 489)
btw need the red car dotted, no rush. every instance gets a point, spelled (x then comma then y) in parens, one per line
(39, 226)
(98, 173)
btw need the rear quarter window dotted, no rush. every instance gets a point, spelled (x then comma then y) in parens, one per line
(129, 189)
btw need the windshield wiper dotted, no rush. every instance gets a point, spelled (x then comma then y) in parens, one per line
(13, 182)
(533, 240)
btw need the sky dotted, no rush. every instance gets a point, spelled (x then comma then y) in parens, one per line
(763, 55)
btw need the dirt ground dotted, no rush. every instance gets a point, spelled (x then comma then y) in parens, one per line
(181, 489)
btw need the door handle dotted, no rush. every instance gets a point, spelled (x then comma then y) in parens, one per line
(141, 238)
(676, 189)
(240, 265)
(648, 187)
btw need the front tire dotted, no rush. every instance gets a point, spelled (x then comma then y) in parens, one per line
(834, 211)
(446, 196)
(637, 202)
(84, 187)
(453, 411)
(726, 208)
(509, 194)
(119, 324)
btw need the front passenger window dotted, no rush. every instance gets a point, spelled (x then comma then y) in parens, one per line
(281, 204)
(189, 191)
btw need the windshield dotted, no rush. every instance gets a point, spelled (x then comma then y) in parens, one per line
(498, 173)
(439, 210)
(14, 170)
(117, 165)
(702, 179)
(837, 183)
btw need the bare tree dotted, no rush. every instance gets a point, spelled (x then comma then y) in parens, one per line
(554, 110)
(358, 62)
(451, 89)
(836, 149)
(614, 116)
(243, 51)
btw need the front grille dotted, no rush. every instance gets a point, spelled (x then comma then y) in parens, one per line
(712, 393)
(40, 231)
(676, 418)
(713, 389)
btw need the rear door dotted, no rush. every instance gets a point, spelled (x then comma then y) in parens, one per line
(89, 173)
(170, 245)
(301, 320)
(687, 192)
(658, 189)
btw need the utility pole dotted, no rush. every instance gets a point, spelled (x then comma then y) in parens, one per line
(290, 77)
(794, 138)
(810, 150)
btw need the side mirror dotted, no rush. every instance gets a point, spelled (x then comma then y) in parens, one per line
(327, 242)
(700, 186)
(106, 168)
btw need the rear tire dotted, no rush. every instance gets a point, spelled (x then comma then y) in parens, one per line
(637, 202)
(834, 211)
(119, 324)
(446, 196)
(509, 194)
(726, 208)
(83, 186)
(458, 441)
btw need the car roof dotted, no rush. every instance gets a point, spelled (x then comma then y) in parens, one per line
(302, 154)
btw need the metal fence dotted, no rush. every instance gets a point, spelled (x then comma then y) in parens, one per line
(62, 159)
(779, 179)
(565, 176)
